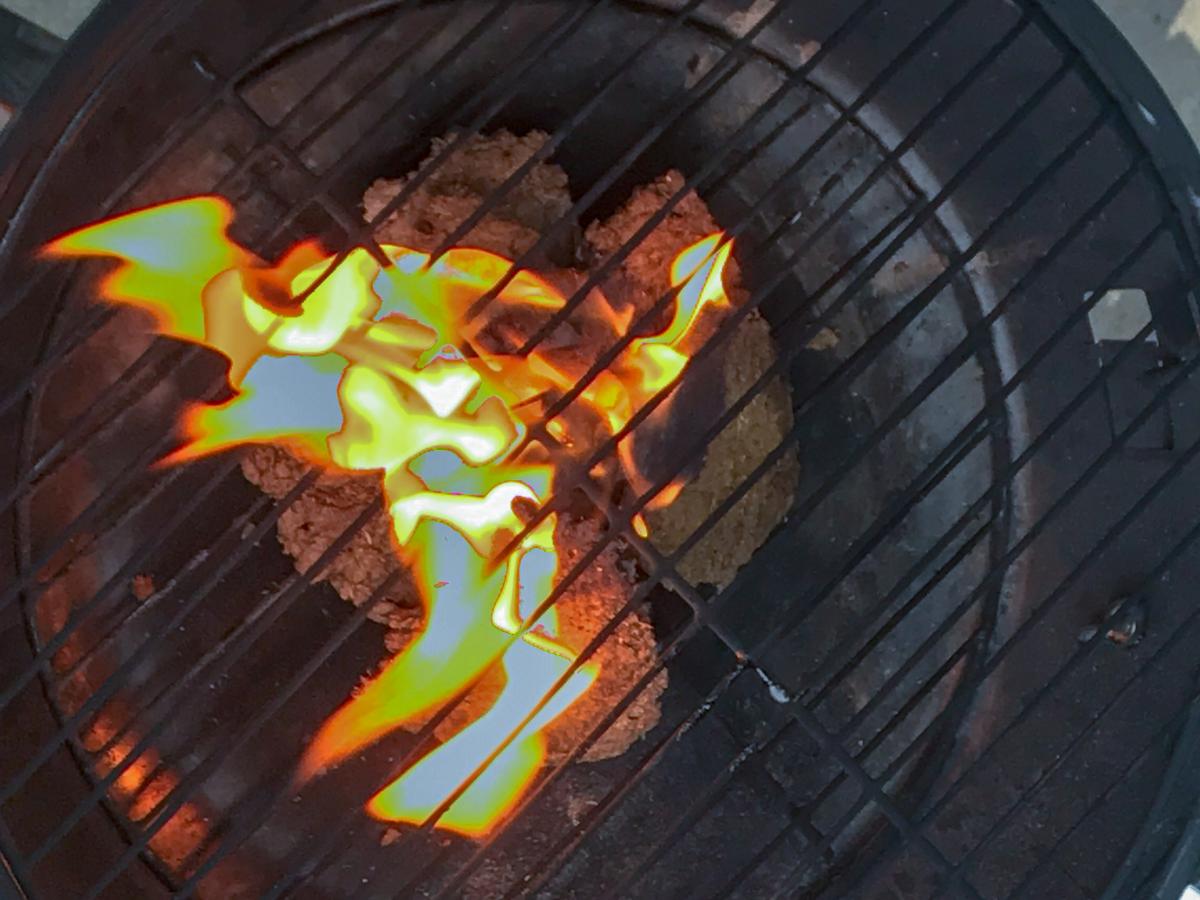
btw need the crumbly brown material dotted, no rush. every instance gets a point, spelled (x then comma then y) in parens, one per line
(319, 516)
(626, 655)
(732, 455)
(458, 185)
(593, 600)
(643, 277)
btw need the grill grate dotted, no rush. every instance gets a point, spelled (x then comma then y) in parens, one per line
(946, 733)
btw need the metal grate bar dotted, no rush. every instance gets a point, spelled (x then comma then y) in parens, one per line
(32, 377)
(320, 183)
(767, 243)
(712, 793)
(239, 823)
(1174, 724)
(96, 517)
(814, 850)
(212, 762)
(185, 355)
(830, 743)
(1178, 634)
(1035, 619)
(97, 512)
(120, 578)
(565, 26)
(825, 842)
(261, 618)
(194, 349)
(717, 76)
(882, 799)
(430, 726)
(906, 55)
(808, 856)
(862, 357)
(179, 131)
(159, 450)
(957, 449)
(303, 867)
(191, 350)
(1061, 760)
(701, 180)
(968, 437)
(106, 690)
(354, 227)
(103, 784)
(1133, 427)
(728, 327)
(568, 842)
(228, 564)
(148, 369)
(1002, 564)
(307, 870)
(670, 112)
(731, 323)
(231, 92)
(629, 245)
(614, 798)
(568, 673)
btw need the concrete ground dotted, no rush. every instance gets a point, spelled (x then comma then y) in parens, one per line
(1165, 32)
(59, 17)
(1167, 35)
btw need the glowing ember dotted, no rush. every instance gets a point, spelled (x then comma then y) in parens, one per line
(370, 370)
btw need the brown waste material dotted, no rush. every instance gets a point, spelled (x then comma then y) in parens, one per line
(603, 589)
(319, 516)
(643, 277)
(458, 185)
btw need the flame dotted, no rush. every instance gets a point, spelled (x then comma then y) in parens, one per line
(362, 367)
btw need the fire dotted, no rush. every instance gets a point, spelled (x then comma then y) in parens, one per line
(368, 367)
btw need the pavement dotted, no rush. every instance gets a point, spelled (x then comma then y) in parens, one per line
(59, 17)
(1167, 35)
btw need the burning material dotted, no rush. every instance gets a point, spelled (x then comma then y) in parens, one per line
(643, 277)
(450, 193)
(364, 367)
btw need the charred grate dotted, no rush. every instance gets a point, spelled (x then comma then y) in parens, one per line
(928, 682)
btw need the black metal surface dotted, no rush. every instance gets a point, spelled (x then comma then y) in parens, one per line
(892, 699)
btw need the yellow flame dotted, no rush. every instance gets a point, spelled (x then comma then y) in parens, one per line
(366, 373)
(168, 253)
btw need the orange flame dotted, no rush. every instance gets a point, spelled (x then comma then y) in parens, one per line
(365, 373)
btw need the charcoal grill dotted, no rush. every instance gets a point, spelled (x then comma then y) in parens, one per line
(962, 667)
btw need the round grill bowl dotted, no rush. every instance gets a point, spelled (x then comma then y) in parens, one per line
(958, 668)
